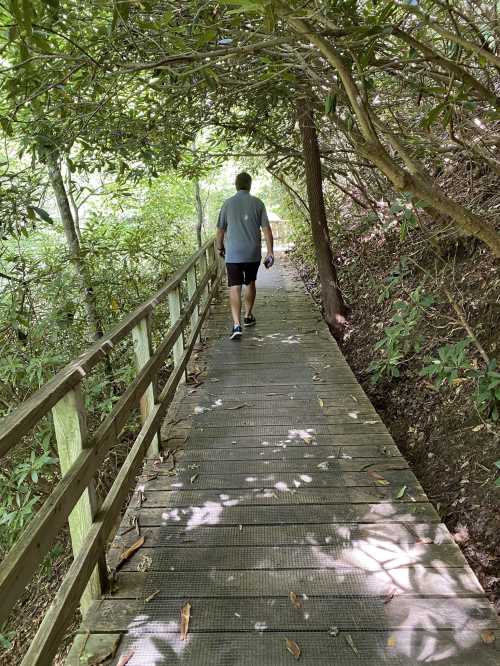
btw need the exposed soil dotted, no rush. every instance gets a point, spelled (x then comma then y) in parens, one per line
(450, 446)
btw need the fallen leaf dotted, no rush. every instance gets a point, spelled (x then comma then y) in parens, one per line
(478, 427)
(350, 643)
(185, 617)
(390, 594)
(127, 554)
(461, 535)
(321, 403)
(425, 540)
(401, 492)
(354, 398)
(391, 642)
(193, 478)
(295, 600)
(125, 658)
(333, 631)
(488, 637)
(152, 596)
(379, 479)
(243, 404)
(293, 648)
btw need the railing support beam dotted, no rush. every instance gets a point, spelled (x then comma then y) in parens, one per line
(174, 308)
(143, 350)
(71, 435)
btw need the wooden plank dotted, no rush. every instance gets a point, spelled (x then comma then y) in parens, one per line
(14, 426)
(394, 535)
(317, 453)
(271, 496)
(313, 479)
(219, 514)
(362, 556)
(294, 466)
(246, 440)
(71, 436)
(411, 581)
(268, 648)
(143, 351)
(278, 614)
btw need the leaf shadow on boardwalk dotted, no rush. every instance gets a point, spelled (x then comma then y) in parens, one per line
(286, 481)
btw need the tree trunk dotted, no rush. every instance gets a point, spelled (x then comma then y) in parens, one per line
(331, 296)
(199, 211)
(57, 182)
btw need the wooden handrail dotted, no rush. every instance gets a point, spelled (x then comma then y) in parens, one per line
(20, 421)
(59, 615)
(21, 562)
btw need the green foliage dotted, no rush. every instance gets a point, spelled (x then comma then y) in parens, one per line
(451, 363)
(17, 490)
(393, 281)
(487, 394)
(400, 338)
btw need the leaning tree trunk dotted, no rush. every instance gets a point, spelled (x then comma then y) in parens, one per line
(331, 296)
(199, 211)
(57, 182)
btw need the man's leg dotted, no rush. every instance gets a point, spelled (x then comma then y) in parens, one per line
(235, 302)
(250, 292)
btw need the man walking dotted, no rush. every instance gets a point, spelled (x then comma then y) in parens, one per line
(241, 219)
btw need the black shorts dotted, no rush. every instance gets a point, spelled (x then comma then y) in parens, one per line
(238, 274)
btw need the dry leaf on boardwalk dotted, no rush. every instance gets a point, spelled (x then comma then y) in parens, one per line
(293, 648)
(185, 617)
(401, 492)
(321, 403)
(350, 643)
(390, 594)
(391, 642)
(379, 479)
(152, 596)
(488, 637)
(296, 602)
(243, 404)
(193, 478)
(425, 540)
(127, 554)
(125, 658)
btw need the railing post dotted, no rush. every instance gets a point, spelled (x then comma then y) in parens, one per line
(191, 289)
(71, 435)
(174, 308)
(141, 336)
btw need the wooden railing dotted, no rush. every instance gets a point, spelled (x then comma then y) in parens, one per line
(73, 498)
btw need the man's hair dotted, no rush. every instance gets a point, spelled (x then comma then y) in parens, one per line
(243, 181)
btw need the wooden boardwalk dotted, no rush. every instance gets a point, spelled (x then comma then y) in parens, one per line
(290, 515)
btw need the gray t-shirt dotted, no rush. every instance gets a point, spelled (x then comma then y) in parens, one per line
(242, 217)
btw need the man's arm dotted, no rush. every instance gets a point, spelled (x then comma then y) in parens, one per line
(221, 230)
(220, 241)
(268, 235)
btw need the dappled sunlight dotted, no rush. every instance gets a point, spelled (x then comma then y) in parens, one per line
(208, 514)
(147, 642)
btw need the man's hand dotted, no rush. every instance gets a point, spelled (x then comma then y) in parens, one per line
(222, 251)
(269, 260)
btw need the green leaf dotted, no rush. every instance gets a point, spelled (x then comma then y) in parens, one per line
(497, 464)
(401, 492)
(330, 104)
(42, 214)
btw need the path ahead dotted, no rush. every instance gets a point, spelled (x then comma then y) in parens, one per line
(290, 516)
